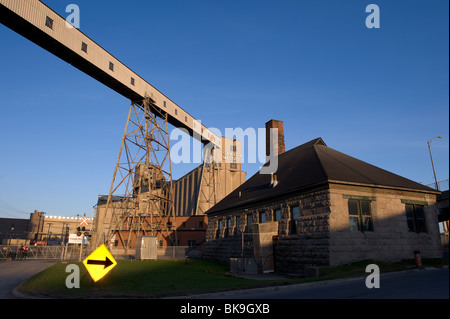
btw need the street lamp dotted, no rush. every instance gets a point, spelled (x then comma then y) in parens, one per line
(432, 164)
(10, 233)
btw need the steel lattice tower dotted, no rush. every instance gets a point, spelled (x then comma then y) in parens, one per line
(141, 196)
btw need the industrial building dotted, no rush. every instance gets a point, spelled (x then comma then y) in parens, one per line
(41, 229)
(194, 194)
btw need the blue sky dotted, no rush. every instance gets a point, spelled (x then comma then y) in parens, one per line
(376, 94)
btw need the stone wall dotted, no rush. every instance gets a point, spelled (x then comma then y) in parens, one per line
(224, 249)
(300, 242)
(320, 235)
(309, 244)
(390, 239)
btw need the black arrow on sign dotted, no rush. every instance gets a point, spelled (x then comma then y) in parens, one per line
(106, 263)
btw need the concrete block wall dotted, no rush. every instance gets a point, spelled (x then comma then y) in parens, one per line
(390, 239)
(292, 252)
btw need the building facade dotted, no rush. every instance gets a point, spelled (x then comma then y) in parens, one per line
(325, 209)
(42, 229)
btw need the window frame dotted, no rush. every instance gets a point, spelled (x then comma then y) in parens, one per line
(414, 219)
(191, 243)
(361, 216)
(49, 22)
(249, 221)
(262, 216)
(292, 225)
(277, 217)
(84, 47)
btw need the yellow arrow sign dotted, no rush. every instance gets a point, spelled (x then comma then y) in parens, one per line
(99, 263)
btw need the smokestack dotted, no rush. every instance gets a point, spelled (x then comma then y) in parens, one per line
(277, 147)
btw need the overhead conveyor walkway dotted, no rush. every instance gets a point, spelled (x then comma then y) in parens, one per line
(40, 24)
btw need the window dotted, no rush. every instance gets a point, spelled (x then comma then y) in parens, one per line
(132, 81)
(84, 47)
(200, 224)
(176, 112)
(262, 217)
(249, 222)
(415, 218)
(111, 66)
(277, 215)
(191, 243)
(233, 166)
(185, 118)
(165, 104)
(295, 212)
(360, 216)
(238, 224)
(49, 22)
(227, 229)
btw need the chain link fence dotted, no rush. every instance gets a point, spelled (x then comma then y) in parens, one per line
(442, 185)
(70, 252)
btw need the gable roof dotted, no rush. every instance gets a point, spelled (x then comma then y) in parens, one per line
(313, 164)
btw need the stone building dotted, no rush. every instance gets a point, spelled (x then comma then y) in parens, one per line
(323, 208)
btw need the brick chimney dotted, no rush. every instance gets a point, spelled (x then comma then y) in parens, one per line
(278, 143)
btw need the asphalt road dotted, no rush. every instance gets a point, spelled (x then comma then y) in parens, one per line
(13, 273)
(419, 284)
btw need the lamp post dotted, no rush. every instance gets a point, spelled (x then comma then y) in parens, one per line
(432, 164)
(10, 233)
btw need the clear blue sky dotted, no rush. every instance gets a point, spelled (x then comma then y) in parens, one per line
(376, 94)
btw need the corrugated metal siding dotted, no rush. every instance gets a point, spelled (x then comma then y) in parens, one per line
(36, 12)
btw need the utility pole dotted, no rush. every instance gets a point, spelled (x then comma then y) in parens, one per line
(432, 164)
(10, 234)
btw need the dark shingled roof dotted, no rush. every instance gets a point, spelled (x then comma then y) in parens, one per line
(313, 164)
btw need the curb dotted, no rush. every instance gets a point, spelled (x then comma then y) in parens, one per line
(17, 294)
(292, 286)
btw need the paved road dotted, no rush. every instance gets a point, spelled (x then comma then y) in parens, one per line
(14, 273)
(421, 284)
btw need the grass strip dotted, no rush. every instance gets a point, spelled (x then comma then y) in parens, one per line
(160, 278)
